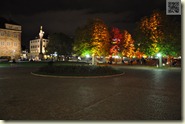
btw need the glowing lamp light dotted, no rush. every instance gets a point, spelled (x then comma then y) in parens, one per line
(160, 59)
(144, 56)
(79, 58)
(55, 54)
(159, 54)
(87, 55)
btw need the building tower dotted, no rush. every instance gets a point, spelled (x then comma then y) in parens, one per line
(41, 34)
(37, 46)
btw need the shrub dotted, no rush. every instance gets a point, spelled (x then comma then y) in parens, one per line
(78, 70)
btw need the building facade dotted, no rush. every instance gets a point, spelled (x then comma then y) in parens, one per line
(10, 40)
(35, 47)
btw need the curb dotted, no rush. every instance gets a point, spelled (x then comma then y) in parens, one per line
(52, 76)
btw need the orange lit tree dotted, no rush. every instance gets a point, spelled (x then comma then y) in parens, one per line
(150, 28)
(127, 45)
(93, 38)
(100, 39)
(158, 33)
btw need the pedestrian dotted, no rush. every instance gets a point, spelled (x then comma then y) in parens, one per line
(131, 61)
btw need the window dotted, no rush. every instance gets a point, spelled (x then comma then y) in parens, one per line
(2, 33)
(15, 35)
(15, 44)
(8, 43)
(8, 34)
(2, 43)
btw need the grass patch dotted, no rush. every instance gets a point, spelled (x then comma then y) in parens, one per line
(77, 70)
(4, 64)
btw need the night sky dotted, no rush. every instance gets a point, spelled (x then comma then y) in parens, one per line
(66, 15)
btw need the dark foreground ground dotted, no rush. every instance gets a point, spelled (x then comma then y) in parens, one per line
(140, 94)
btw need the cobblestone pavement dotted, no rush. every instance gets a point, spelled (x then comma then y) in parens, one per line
(139, 94)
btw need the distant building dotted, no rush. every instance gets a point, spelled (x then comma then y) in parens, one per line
(35, 49)
(10, 39)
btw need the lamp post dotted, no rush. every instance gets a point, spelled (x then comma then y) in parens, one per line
(93, 59)
(41, 34)
(160, 59)
(87, 57)
(13, 56)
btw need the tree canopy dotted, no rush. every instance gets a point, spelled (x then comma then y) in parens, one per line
(93, 38)
(127, 45)
(159, 33)
(60, 43)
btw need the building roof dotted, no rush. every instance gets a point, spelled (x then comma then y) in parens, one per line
(9, 21)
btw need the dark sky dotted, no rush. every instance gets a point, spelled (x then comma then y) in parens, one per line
(66, 15)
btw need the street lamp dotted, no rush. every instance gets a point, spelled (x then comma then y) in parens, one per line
(87, 57)
(94, 62)
(13, 56)
(160, 59)
(116, 58)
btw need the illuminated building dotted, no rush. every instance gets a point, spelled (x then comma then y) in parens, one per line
(10, 39)
(35, 46)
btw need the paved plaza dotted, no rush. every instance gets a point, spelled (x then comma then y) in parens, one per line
(140, 94)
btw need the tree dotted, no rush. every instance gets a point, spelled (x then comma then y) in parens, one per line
(158, 33)
(116, 38)
(127, 45)
(93, 38)
(82, 45)
(170, 45)
(100, 39)
(150, 34)
(60, 43)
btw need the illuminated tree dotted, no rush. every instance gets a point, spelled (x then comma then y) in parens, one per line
(82, 45)
(116, 38)
(158, 33)
(151, 33)
(93, 38)
(100, 39)
(127, 45)
(170, 45)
